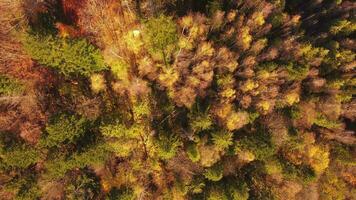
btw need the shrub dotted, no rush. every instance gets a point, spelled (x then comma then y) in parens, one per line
(259, 144)
(200, 122)
(193, 152)
(123, 193)
(222, 139)
(64, 129)
(9, 86)
(120, 69)
(332, 187)
(303, 173)
(20, 157)
(122, 140)
(216, 193)
(24, 187)
(57, 168)
(161, 35)
(342, 154)
(296, 71)
(118, 130)
(97, 83)
(167, 146)
(82, 186)
(342, 26)
(215, 172)
(68, 56)
(323, 121)
(236, 189)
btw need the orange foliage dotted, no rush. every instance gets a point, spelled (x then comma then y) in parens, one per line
(67, 30)
(70, 9)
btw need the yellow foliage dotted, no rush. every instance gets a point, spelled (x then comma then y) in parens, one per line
(318, 158)
(120, 69)
(223, 110)
(184, 43)
(97, 83)
(246, 156)
(133, 41)
(187, 21)
(292, 98)
(168, 77)
(263, 75)
(249, 85)
(246, 38)
(273, 167)
(259, 19)
(209, 155)
(205, 49)
(265, 106)
(236, 120)
(228, 93)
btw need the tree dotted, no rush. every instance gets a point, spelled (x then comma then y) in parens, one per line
(19, 157)
(161, 36)
(193, 152)
(10, 86)
(82, 186)
(222, 139)
(215, 172)
(64, 129)
(68, 56)
(59, 166)
(97, 83)
(167, 146)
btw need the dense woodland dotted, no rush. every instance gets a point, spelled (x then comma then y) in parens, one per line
(177, 99)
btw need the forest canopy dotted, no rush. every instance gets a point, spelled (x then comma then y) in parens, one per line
(177, 99)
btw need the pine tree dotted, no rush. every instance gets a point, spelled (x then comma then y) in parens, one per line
(68, 56)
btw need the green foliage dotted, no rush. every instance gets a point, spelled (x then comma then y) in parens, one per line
(200, 122)
(141, 110)
(64, 129)
(121, 139)
(342, 154)
(302, 173)
(120, 69)
(215, 172)
(236, 189)
(216, 193)
(161, 35)
(219, 100)
(293, 112)
(68, 56)
(332, 187)
(57, 168)
(343, 26)
(259, 144)
(222, 139)
(123, 193)
(118, 130)
(167, 146)
(82, 186)
(257, 184)
(323, 121)
(19, 157)
(24, 188)
(253, 116)
(10, 86)
(193, 152)
(97, 83)
(297, 71)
